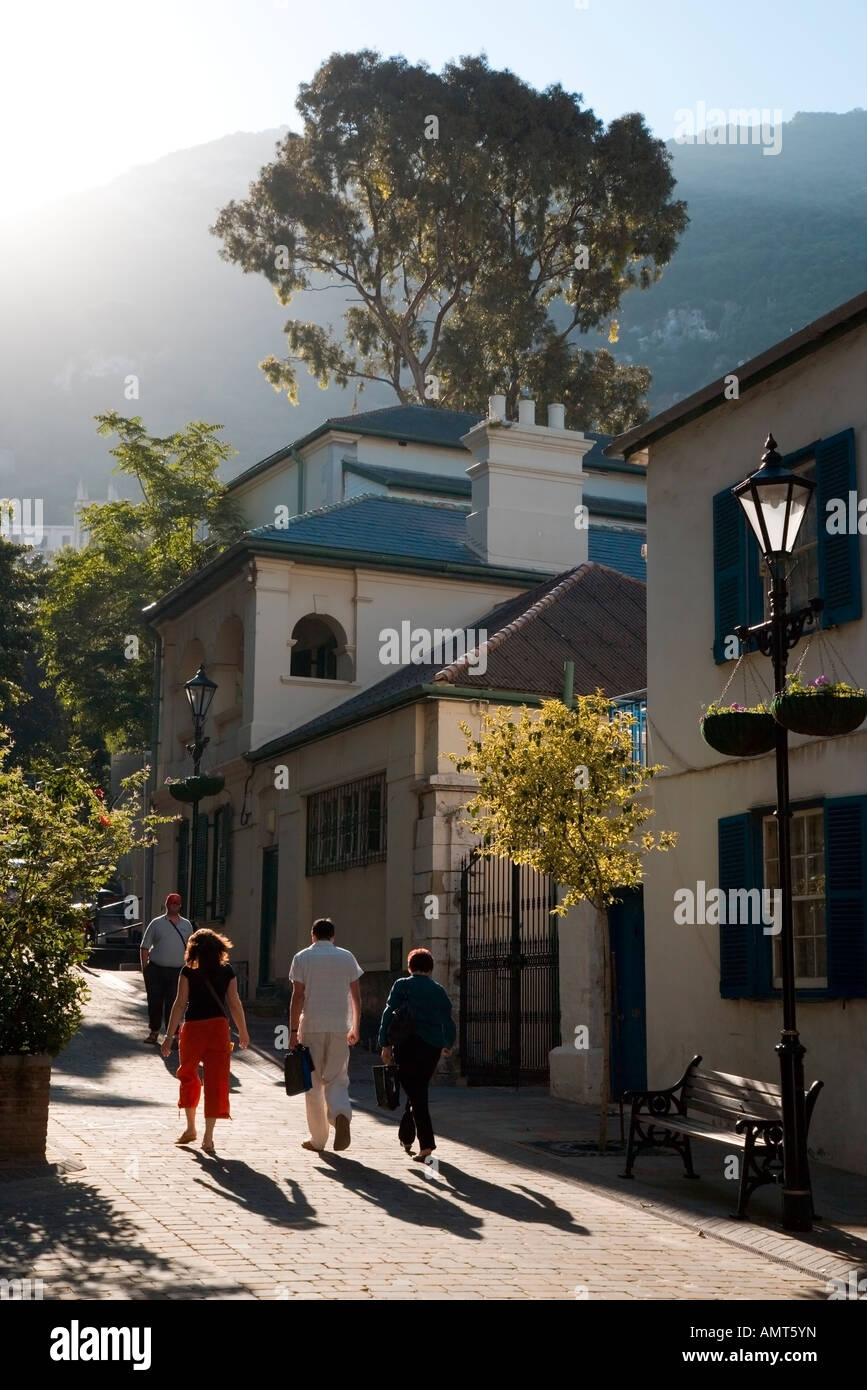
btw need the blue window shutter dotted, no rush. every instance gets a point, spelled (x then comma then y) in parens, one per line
(737, 953)
(839, 556)
(729, 569)
(846, 896)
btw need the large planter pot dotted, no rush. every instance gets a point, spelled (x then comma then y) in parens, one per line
(25, 1083)
(196, 788)
(822, 714)
(739, 733)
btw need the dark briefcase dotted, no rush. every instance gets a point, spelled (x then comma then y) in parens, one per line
(387, 1087)
(298, 1071)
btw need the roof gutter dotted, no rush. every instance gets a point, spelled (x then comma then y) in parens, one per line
(176, 600)
(423, 691)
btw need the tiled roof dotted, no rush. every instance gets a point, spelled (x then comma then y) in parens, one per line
(591, 616)
(378, 524)
(440, 484)
(420, 424)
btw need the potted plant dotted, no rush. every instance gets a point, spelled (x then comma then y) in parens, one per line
(823, 708)
(738, 731)
(59, 842)
(195, 788)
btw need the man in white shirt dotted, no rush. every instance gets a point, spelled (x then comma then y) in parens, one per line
(162, 952)
(325, 1015)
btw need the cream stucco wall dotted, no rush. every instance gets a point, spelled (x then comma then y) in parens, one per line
(818, 397)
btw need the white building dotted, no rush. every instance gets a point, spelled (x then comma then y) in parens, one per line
(339, 795)
(715, 989)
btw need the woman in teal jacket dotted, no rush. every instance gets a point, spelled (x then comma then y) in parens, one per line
(432, 1036)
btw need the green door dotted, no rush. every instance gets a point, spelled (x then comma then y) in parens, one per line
(268, 921)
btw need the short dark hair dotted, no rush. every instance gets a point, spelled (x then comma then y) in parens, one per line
(420, 961)
(323, 928)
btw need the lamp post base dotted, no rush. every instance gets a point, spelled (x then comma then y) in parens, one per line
(797, 1196)
(797, 1210)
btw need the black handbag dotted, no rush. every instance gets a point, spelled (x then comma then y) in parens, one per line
(400, 1026)
(387, 1086)
(298, 1071)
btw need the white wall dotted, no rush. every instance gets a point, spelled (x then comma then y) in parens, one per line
(818, 397)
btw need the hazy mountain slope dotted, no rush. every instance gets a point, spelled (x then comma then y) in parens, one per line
(126, 279)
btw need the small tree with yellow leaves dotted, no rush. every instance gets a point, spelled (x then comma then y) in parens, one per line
(561, 792)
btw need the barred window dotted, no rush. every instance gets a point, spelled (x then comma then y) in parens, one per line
(346, 825)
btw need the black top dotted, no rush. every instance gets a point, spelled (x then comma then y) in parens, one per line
(201, 1003)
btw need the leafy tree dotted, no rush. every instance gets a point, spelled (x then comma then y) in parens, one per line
(559, 790)
(29, 709)
(476, 248)
(59, 844)
(18, 587)
(98, 647)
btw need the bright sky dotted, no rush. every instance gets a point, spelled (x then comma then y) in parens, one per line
(92, 87)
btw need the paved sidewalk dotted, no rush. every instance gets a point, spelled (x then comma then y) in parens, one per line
(126, 1215)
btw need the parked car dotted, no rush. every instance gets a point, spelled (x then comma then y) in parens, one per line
(108, 924)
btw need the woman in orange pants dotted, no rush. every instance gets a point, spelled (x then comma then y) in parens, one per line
(207, 996)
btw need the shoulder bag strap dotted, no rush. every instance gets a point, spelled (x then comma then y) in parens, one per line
(220, 1002)
(180, 934)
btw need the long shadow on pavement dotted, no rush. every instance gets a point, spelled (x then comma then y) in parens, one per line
(419, 1206)
(256, 1192)
(523, 1205)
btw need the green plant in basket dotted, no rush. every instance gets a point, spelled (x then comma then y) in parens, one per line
(822, 707)
(738, 731)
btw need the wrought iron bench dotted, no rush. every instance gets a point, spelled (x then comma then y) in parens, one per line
(693, 1109)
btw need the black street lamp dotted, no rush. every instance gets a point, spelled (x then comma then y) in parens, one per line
(200, 692)
(775, 501)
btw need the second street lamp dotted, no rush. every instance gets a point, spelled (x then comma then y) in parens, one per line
(200, 693)
(775, 501)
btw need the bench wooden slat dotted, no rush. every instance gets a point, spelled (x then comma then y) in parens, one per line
(732, 1113)
(746, 1100)
(725, 1094)
(736, 1083)
(697, 1129)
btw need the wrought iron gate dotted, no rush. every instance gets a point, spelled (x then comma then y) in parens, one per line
(510, 988)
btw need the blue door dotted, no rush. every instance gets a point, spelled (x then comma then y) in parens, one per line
(628, 1035)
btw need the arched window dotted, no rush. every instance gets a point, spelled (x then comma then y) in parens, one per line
(319, 650)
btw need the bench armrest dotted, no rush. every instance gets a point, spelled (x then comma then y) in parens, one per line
(660, 1102)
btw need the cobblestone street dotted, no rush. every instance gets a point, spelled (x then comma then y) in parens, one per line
(126, 1215)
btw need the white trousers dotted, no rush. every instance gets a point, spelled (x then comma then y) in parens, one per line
(329, 1095)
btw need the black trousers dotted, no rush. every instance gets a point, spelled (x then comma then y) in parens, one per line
(161, 984)
(416, 1064)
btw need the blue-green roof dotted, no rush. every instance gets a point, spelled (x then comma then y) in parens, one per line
(439, 484)
(421, 424)
(380, 524)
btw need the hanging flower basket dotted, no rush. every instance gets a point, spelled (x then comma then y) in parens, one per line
(823, 708)
(195, 788)
(738, 732)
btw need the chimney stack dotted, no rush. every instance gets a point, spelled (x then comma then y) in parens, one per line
(527, 486)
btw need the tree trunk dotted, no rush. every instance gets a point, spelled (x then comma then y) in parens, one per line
(605, 1086)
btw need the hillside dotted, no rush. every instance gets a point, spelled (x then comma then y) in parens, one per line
(127, 280)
